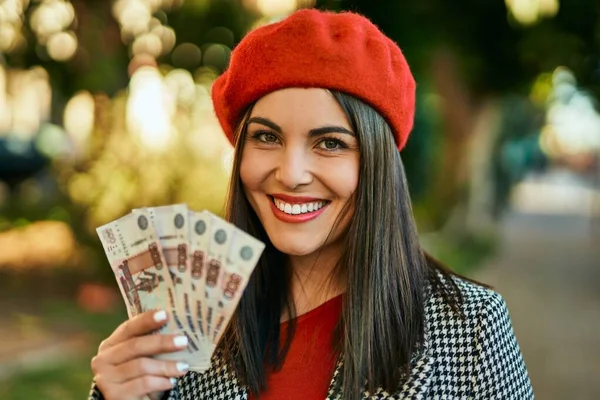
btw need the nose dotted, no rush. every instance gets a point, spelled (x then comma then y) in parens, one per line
(293, 169)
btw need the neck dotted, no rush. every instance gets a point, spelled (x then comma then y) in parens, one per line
(315, 279)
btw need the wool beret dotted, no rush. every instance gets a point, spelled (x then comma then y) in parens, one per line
(311, 48)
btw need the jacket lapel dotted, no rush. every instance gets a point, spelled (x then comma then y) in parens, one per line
(415, 387)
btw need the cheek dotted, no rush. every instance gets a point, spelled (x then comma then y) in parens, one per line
(343, 180)
(247, 172)
(351, 185)
(252, 171)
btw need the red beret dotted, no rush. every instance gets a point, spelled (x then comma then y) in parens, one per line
(311, 48)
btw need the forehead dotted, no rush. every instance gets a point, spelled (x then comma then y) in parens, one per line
(297, 107)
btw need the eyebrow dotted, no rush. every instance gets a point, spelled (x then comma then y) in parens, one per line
(312, 133)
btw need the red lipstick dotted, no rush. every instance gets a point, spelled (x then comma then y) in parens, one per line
(297, 218)
(295, 199)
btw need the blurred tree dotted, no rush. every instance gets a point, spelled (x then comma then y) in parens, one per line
(470, 54)
(114, 172)
(467, 55)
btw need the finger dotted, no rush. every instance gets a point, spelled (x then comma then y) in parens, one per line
(139, 325)
(147, 366)
(141, 386)
(144, 346)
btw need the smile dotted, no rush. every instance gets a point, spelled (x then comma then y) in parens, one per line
(296, 209)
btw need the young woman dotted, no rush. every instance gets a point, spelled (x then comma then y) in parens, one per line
(344, 302)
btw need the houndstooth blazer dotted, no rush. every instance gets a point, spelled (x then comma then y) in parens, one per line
(475, 357)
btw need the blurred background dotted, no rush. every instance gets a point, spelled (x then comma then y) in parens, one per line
(105, 106)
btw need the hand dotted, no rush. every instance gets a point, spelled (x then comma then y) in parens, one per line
(123, 368)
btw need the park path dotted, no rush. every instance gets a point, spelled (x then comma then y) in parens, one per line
(547, 268)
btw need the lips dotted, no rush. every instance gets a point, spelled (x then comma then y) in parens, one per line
(297, 208)
(295, 199)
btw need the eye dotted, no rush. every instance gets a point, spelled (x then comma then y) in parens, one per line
(265, 137)
(331, 144)
(268, 137)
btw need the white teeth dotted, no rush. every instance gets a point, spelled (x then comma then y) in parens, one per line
(295, 209)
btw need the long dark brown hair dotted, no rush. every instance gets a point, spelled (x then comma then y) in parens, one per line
(386, 273)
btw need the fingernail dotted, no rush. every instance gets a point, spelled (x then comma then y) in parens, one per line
(173, 381)
(181, 367)
(160, 316)
(180, 341)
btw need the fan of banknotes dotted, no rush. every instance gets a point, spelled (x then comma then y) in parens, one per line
(192, 264)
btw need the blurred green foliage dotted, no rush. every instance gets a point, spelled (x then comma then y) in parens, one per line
(68, 378)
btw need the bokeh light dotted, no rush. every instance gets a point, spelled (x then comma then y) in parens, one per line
(167, 37)
(222, 35)
(143, 26)
(44, 244)
(217, 56)
(11, 21)
(27, 101)
(272, 8)
(5, 107)
(181, 86)
(150, 108)
(78, 120)
(62, 46)
(528, 12)
(8, 36)
(147, 43)
(572, 121)
(187, 55)
(51, 21)
(50, 17)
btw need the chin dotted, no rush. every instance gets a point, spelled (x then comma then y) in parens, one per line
(294, 246)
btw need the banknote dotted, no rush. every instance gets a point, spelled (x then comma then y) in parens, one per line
(221, 233)
(171, 223)
(199, 242)
(243, 255)
(135, 255)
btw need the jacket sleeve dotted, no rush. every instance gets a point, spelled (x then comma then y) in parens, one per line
(96, 395)
(500, 371)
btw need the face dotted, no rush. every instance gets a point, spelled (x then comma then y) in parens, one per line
(299, 168)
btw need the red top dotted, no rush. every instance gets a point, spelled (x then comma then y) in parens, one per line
(310, 362)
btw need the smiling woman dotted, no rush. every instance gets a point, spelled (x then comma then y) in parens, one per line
(344, 303)
(298, 151)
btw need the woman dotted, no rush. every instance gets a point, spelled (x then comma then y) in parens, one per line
(344, 302)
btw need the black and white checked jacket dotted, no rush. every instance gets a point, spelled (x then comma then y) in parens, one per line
(476, 357)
